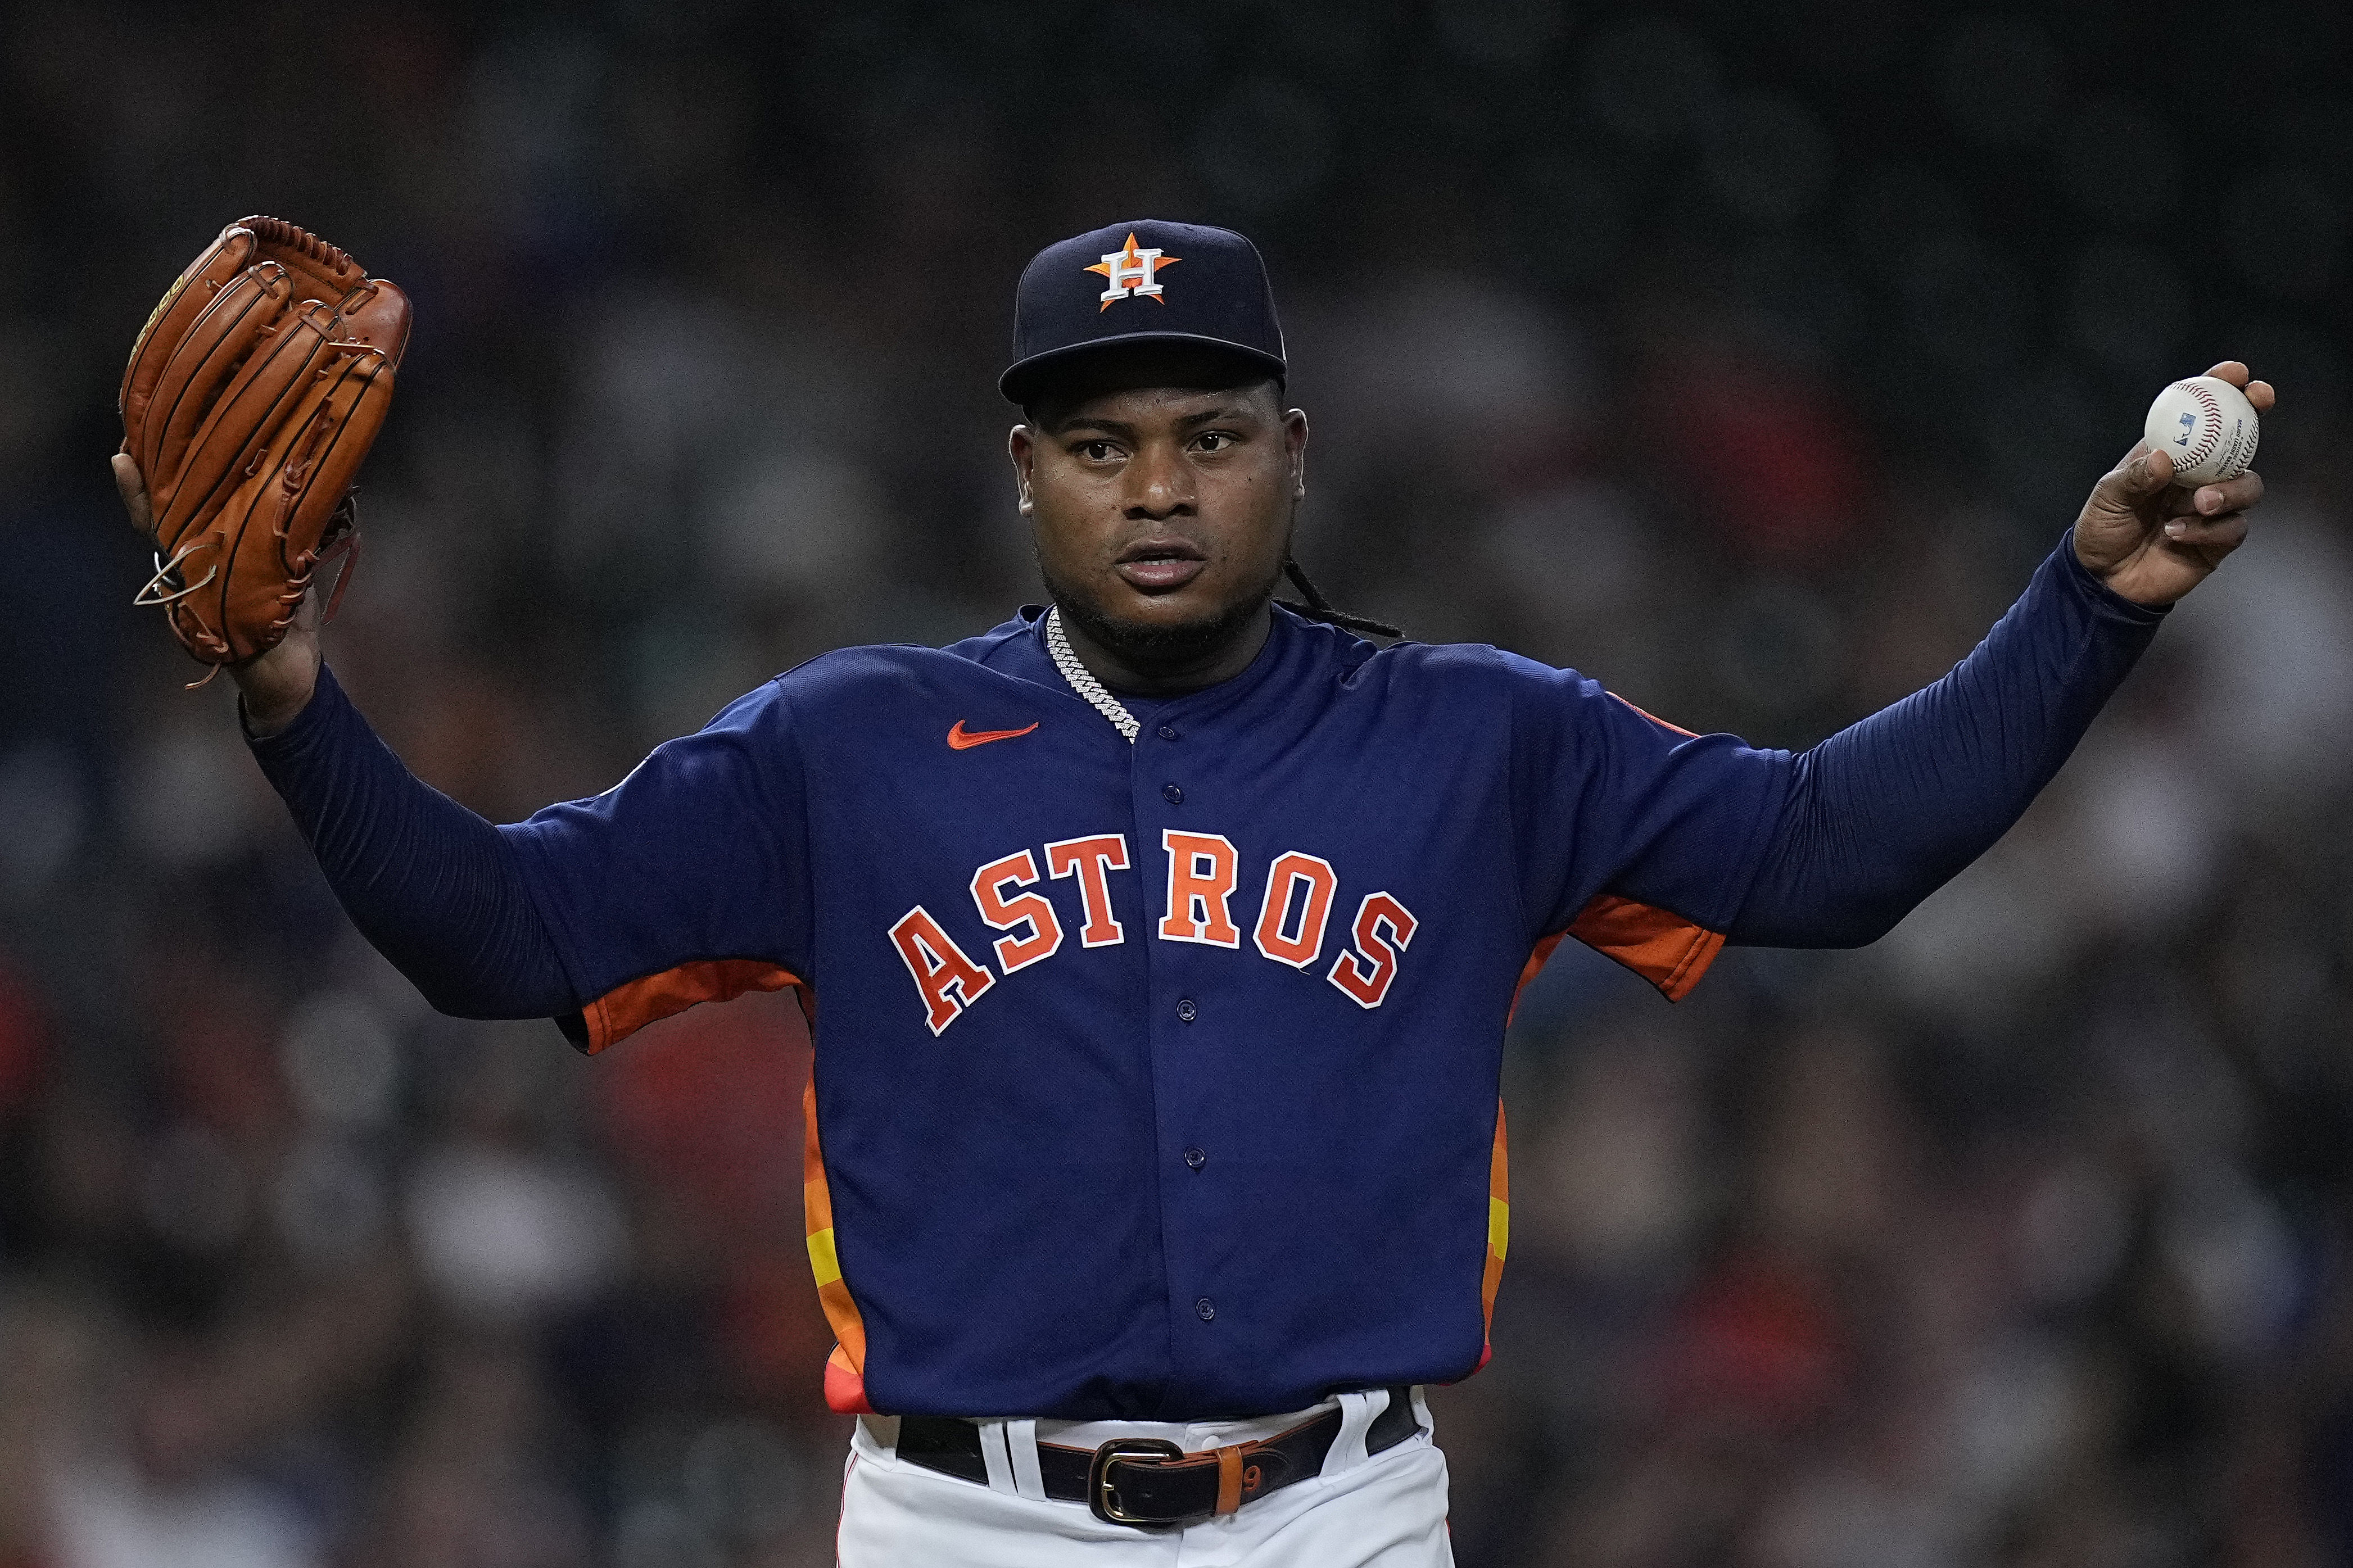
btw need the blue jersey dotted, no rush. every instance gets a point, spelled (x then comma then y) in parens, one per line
(1155, 1079)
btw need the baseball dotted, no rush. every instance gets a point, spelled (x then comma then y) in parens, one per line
(2207, 426)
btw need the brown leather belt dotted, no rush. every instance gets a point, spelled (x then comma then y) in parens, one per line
(1147, 1481)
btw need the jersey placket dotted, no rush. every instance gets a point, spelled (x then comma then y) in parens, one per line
(1183, 1024)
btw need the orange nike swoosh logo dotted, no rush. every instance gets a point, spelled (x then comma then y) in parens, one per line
(965, 740)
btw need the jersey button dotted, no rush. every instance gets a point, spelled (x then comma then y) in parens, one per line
(1172, 794)
(1166, 733)
(1196, 1159)
(1205, 1309)
(1186, 1010)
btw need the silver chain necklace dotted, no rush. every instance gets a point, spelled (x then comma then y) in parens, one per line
(1082, 679)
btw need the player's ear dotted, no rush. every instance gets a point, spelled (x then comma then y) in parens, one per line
(1294, 442)
(1022, 445)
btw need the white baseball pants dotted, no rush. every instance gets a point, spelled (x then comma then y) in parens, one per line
(1385, 1512)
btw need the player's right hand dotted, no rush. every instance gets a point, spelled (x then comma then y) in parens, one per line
(2152, 541)
(276, 684)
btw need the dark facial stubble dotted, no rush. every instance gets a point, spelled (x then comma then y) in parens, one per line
(1143, 645)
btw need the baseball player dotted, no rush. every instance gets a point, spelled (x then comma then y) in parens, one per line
(1165, 937)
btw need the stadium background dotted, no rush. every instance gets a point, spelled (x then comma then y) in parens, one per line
(1748, 357)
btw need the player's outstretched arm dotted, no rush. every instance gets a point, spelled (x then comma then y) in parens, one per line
(429, 883)
(1889, 809)
(433, 886)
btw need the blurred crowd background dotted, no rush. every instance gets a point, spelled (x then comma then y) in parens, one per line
(1748, 357)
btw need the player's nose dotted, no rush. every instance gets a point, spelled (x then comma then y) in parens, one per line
(1159, 484)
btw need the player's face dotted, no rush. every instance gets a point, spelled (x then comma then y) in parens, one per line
(1163, 515)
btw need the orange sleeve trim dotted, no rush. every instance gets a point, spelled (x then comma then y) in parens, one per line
(1654, 719)
(627, 1008)
(1660, 945)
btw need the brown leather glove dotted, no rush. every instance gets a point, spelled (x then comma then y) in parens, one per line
(253, 392)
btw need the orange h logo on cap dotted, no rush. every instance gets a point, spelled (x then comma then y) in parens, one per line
(1132, 271)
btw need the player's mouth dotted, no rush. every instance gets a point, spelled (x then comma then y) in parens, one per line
(1160, 565)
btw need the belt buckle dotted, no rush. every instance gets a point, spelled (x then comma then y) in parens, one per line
(1103, 1493)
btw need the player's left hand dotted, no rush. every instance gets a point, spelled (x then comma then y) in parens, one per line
(277, 682)
(2152, 541)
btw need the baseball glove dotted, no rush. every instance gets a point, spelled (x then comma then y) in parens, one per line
(252, 394)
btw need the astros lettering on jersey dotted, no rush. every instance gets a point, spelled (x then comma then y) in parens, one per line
(1202, 877)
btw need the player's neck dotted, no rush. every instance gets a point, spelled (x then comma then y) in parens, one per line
(1174, 670)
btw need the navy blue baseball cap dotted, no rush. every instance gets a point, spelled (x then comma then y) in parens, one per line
(1138, 282)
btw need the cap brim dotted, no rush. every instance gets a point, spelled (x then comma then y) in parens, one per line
(1022, 382)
